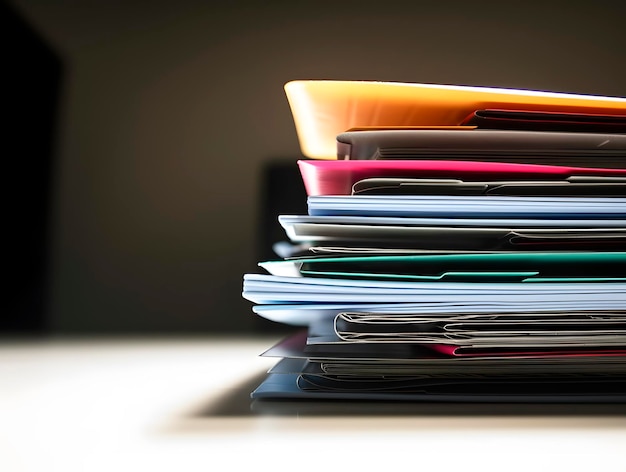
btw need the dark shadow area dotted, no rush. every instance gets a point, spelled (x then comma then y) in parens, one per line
(282, 192)
(236, 402)
(31, 80)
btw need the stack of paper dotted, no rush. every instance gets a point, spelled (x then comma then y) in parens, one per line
(462, 244)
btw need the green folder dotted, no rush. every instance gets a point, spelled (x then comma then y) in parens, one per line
(561, 267)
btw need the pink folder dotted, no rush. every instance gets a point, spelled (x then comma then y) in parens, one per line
(325, 177)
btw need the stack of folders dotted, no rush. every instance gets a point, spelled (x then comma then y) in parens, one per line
(461, 244)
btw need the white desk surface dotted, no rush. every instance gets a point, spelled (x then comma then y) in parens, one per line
(183, 404)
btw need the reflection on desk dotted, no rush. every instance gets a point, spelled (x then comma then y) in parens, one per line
(184, 404)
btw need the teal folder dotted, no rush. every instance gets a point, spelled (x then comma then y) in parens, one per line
(529, 267)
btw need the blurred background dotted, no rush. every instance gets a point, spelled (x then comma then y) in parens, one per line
(150, 146)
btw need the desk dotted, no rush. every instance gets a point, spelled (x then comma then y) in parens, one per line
(183, 404)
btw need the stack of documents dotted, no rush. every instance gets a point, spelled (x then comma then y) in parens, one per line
(461, 244)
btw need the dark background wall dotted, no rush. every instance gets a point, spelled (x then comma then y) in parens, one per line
(171, 113)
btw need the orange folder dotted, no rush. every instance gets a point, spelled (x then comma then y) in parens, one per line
(322, 109)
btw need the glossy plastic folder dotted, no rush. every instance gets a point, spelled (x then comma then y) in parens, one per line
(523, 147)
(528, 267)
(339, 177)
(322, 109)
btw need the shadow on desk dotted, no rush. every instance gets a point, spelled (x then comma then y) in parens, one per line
(236, 402)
